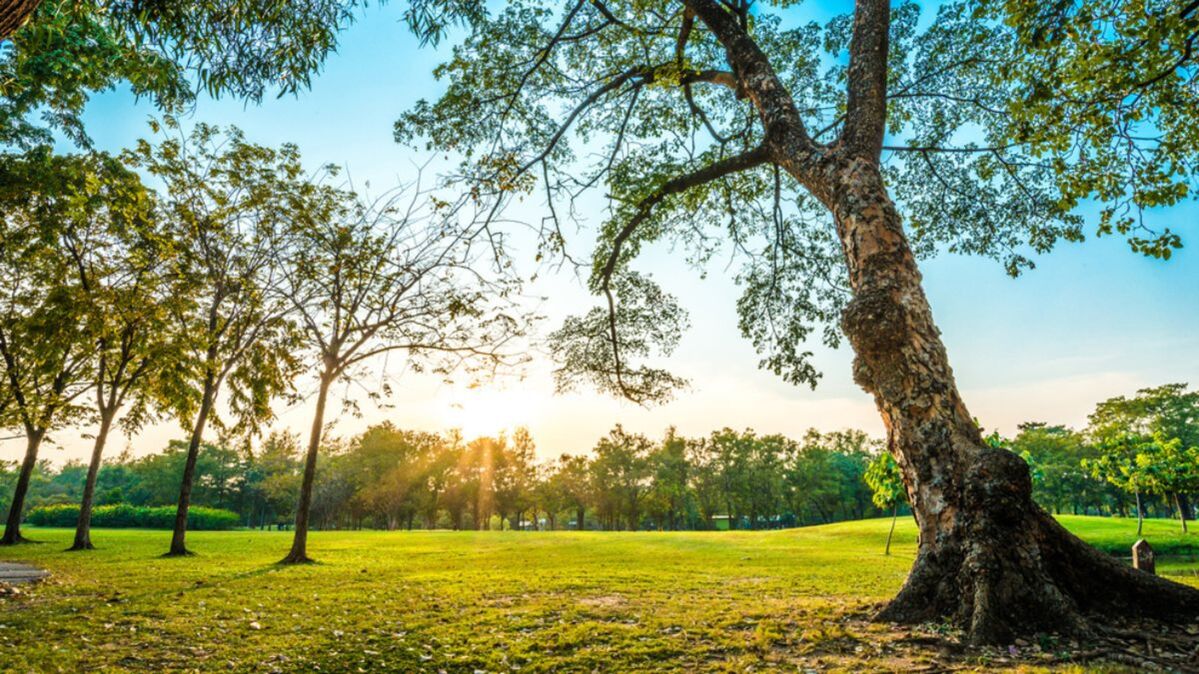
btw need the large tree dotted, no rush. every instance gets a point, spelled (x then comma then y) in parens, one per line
(397, 275)
(712, 123)
(226, 205)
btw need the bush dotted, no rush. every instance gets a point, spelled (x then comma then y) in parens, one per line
(125, 516)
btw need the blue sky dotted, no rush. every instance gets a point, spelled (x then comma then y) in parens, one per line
(1092, 321)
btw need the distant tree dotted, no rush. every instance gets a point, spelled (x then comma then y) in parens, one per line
(705, 483)
(886, 484)
(48, 326)
(1124, 427)
(1117, 463)
(763, 484)
(1169, 469)
(572, 474)
(1055, 455)
(226, 205)
(669, 478)
(277, 463)
(620, 476)
(729, 450)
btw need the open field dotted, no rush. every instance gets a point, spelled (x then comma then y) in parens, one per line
(467, 601)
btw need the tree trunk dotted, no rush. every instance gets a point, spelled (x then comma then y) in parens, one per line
(1140, 515)
(16, 511)
(580, 514)
(178, 538)
(1182, 512)
(891, 533)
(83, 527)
(14, 14)
(989, 558)
(299, 542)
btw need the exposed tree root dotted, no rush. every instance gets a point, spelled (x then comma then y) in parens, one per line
(1003, 569)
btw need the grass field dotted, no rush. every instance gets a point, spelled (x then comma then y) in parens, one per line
(498, 602)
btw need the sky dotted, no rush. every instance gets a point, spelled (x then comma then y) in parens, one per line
(1090, 322)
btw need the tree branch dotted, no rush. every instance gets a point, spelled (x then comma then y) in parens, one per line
(715, 171)
(866, 106)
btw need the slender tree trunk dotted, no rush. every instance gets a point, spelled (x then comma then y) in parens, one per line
(83, 528)
(989, 557)
(891, 533)
(1140, 515)
(16, 511)
(179, 537)
(1182, 513)
(580, 514)
(299, 542)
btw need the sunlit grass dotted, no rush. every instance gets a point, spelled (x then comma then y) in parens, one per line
(472, 601)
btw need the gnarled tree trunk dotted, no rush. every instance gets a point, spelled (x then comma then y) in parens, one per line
(989, 557)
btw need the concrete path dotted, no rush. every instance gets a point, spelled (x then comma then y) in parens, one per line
(12, 573)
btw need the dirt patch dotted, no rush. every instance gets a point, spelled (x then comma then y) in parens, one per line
(603, 601)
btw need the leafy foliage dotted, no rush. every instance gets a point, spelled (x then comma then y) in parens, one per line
(123, 516)
(164, 50)
(998, 129)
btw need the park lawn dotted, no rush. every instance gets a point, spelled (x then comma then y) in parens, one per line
(493, 601)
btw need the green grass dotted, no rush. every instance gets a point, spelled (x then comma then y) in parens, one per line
(461, 602)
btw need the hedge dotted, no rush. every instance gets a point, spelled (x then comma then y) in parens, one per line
(125, 516)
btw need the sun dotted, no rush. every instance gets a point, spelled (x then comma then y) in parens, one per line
(490, 411)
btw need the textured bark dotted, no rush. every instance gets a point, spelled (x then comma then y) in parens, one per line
(989, 558)
(299, 543)
(14, 14)
(16, 511)
(179, 536)
(83, 527)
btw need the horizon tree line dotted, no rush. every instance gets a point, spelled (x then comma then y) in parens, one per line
(391, 478)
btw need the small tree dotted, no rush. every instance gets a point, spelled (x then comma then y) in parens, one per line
(225, 207)
(367, 279)
(1117, 463)
(48, 326)
(886, 483)
(118, 264)
(1169, 469)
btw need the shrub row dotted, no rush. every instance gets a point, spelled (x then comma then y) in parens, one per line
(125, 516)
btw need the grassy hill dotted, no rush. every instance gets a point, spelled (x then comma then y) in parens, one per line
(492, 601)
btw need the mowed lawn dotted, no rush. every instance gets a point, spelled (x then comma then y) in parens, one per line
(479, 601)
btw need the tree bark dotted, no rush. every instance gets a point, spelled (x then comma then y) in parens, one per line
(16, 511)
(1140, 515)
(83, 528)
(14, 14)
(1182, 512)
(299, 543)
(989, 557)
(178, 537)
